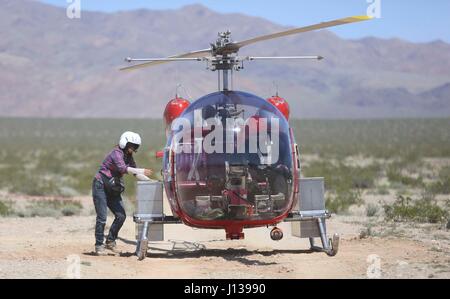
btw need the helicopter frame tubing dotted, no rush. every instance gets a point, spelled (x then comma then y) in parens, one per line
(308, 218)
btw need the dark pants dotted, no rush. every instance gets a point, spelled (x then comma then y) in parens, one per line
(102, 202)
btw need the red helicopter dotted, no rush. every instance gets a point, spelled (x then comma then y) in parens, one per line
(231, 160)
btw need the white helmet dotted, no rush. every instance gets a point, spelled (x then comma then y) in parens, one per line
(129, 137)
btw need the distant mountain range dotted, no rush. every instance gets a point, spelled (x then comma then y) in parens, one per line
(52, 66)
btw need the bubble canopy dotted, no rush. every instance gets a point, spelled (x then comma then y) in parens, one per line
(229, 157)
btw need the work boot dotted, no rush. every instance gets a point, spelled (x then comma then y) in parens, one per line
(111, 245)
(100, 250)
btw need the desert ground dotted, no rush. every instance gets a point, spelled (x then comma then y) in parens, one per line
(62, 247)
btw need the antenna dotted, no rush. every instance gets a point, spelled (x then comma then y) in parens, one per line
(179, 86)
(276, 87)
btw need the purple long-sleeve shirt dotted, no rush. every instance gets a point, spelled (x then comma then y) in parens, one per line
(115, 164)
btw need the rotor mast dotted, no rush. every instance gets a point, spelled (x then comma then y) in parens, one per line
(223, 62)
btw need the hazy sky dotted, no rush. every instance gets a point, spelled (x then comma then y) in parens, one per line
(414, 20)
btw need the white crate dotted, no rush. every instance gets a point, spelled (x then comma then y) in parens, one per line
(149, 201)
(311, 198)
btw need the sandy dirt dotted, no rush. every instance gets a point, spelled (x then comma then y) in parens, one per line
(58, 247)
(62, 248)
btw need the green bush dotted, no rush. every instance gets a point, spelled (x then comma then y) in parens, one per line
(71, 210)
(367, 231)
(57, 204)
(423, 210)
(372, 210)
(394, 175)
(442, 186)
(40, 211)
(52, 208)
(364, 177)
(342, 200)
(6, 208)
(382, 190)
(342, 177)
(344, 183)
(34, 186)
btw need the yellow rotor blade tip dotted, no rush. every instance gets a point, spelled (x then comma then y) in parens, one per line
(363, 17)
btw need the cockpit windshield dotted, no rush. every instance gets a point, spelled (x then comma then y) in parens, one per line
(232, 158)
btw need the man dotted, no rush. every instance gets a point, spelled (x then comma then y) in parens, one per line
(108, 186)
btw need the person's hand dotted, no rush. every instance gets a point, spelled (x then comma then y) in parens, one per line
(148, 172)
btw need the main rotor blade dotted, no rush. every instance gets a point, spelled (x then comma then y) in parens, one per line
(193, 54)
(304, 29)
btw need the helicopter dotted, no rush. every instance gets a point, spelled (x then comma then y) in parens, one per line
(231, 160)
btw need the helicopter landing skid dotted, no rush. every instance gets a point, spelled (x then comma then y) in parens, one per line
(308, 217)
(331, 249)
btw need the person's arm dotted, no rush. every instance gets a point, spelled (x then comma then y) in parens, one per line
(117, 158)
(136, 171)
(139, 173)
(141, 177)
